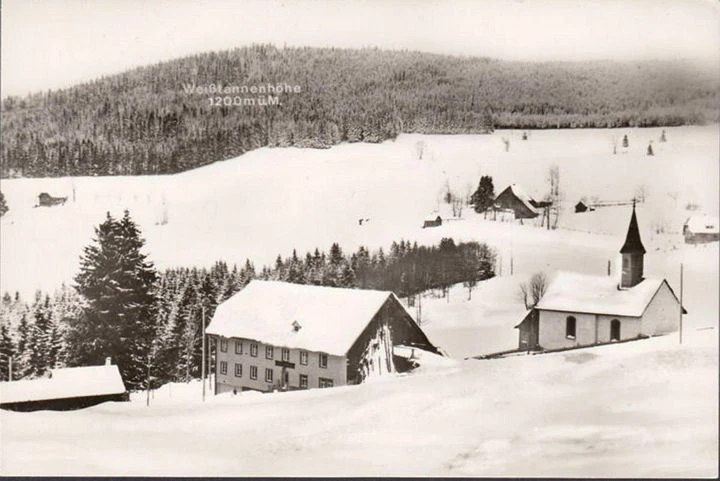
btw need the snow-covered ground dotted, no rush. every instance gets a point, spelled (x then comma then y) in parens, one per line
(645, 408)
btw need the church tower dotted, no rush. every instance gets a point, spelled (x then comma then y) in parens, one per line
(633, 253)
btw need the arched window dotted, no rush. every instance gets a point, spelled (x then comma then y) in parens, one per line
(570, 324)
(614, 330)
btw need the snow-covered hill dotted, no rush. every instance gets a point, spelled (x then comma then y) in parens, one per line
(645, 408)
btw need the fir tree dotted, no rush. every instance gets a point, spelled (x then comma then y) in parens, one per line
(625, 142)
(3, 205)
(118, 285)
(650, 150)
(7, 352)
(484, 196)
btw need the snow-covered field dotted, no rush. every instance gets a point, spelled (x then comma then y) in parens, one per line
(646, 408)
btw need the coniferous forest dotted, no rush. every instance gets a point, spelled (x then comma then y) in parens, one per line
(146, 121)
(148, 321)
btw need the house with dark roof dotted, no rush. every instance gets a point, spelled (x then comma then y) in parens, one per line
(282, 336)
(65, 389)
(514, 198)
(582, 310)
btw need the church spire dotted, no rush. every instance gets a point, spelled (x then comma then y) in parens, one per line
(633, 244)
(632, 252)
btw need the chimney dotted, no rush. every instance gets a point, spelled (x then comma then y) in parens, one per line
(108, 361)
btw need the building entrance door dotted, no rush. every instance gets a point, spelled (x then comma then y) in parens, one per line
(615, 330)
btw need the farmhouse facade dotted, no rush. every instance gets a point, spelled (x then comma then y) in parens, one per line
(433, 220)
(281, 336)
(583, 310)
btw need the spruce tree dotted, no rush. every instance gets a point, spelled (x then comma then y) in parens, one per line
(7, 352)
(3, 205)
(117, 283)
(625, 142)
(650, 150)
(484, 196)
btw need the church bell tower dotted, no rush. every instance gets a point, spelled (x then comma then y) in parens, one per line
(633, 254)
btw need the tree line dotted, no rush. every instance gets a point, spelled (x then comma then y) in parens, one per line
(145, 121)
(150, 322)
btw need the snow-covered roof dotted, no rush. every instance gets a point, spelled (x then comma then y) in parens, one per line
(572, 292)
(433, 217)
(65, 383)
(702, 224)
(330, 318)
(523, 197)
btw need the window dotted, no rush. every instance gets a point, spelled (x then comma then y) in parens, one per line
(253, 350)
(303, 357)
(303, 381)
(268, 375)
(238, 370)
(285, 354)
(570, 327)
(324, 382)
(253, 372)
(269, 352)
(223, 367)
(322, 358)
(223, 345)
(238, 347)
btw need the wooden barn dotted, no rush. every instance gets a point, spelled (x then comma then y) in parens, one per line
(281, 336)
(46, 200)
(701, 229)
(584, 310)
(433, 220)
(65, 389)
(515, 199)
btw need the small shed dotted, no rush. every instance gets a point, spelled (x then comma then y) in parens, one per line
(433, 220)
(65, 389)
(515, 198)
(47, 200)
(581, 207)
(701, 229)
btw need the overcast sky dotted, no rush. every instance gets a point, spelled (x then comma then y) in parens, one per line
(52, 44)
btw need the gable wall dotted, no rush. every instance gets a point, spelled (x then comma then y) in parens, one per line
(662, 314)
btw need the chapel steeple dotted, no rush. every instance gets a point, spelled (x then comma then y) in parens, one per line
(633, 253)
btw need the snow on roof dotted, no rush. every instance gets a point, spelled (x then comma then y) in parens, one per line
(433, 217)
(523, 197)
(702, 224)
(572, 292)
(330, 318)
(65, 383)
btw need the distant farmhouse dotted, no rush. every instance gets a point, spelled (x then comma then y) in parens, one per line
(46, 200)
(701, 229)
(433, 220)
(65, 389)
(582, 310)
(515, 199)
(282, 336)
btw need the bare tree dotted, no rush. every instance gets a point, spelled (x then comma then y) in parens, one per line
(419, 149)
(554, 197)
(532, 291)
(506, 141)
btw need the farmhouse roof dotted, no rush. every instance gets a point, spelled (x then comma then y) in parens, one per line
(330, 318)
(522, 196)
(633, 244)
(65, 383)
(572, 292)
(702, 224)
(433, 217)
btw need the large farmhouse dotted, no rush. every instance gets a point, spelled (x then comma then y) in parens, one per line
(65, 389)
(277, 335)
(514, 198)
(582, 310)
(701, 229)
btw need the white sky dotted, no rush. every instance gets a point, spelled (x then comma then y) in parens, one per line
(52, 44)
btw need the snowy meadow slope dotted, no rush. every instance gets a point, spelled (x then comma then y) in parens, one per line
(646, 408)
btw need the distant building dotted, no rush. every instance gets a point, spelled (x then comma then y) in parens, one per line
(583, 310)
(282, 336)
(515, 199)
(65, 389)
(433, 220)
(701, 229)
(581, 207)
(46, 200)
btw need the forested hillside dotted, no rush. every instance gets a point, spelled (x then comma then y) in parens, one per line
(146, 121)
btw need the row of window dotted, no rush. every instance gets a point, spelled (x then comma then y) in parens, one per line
(322, 382)
(270, 352)
(571, 328)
